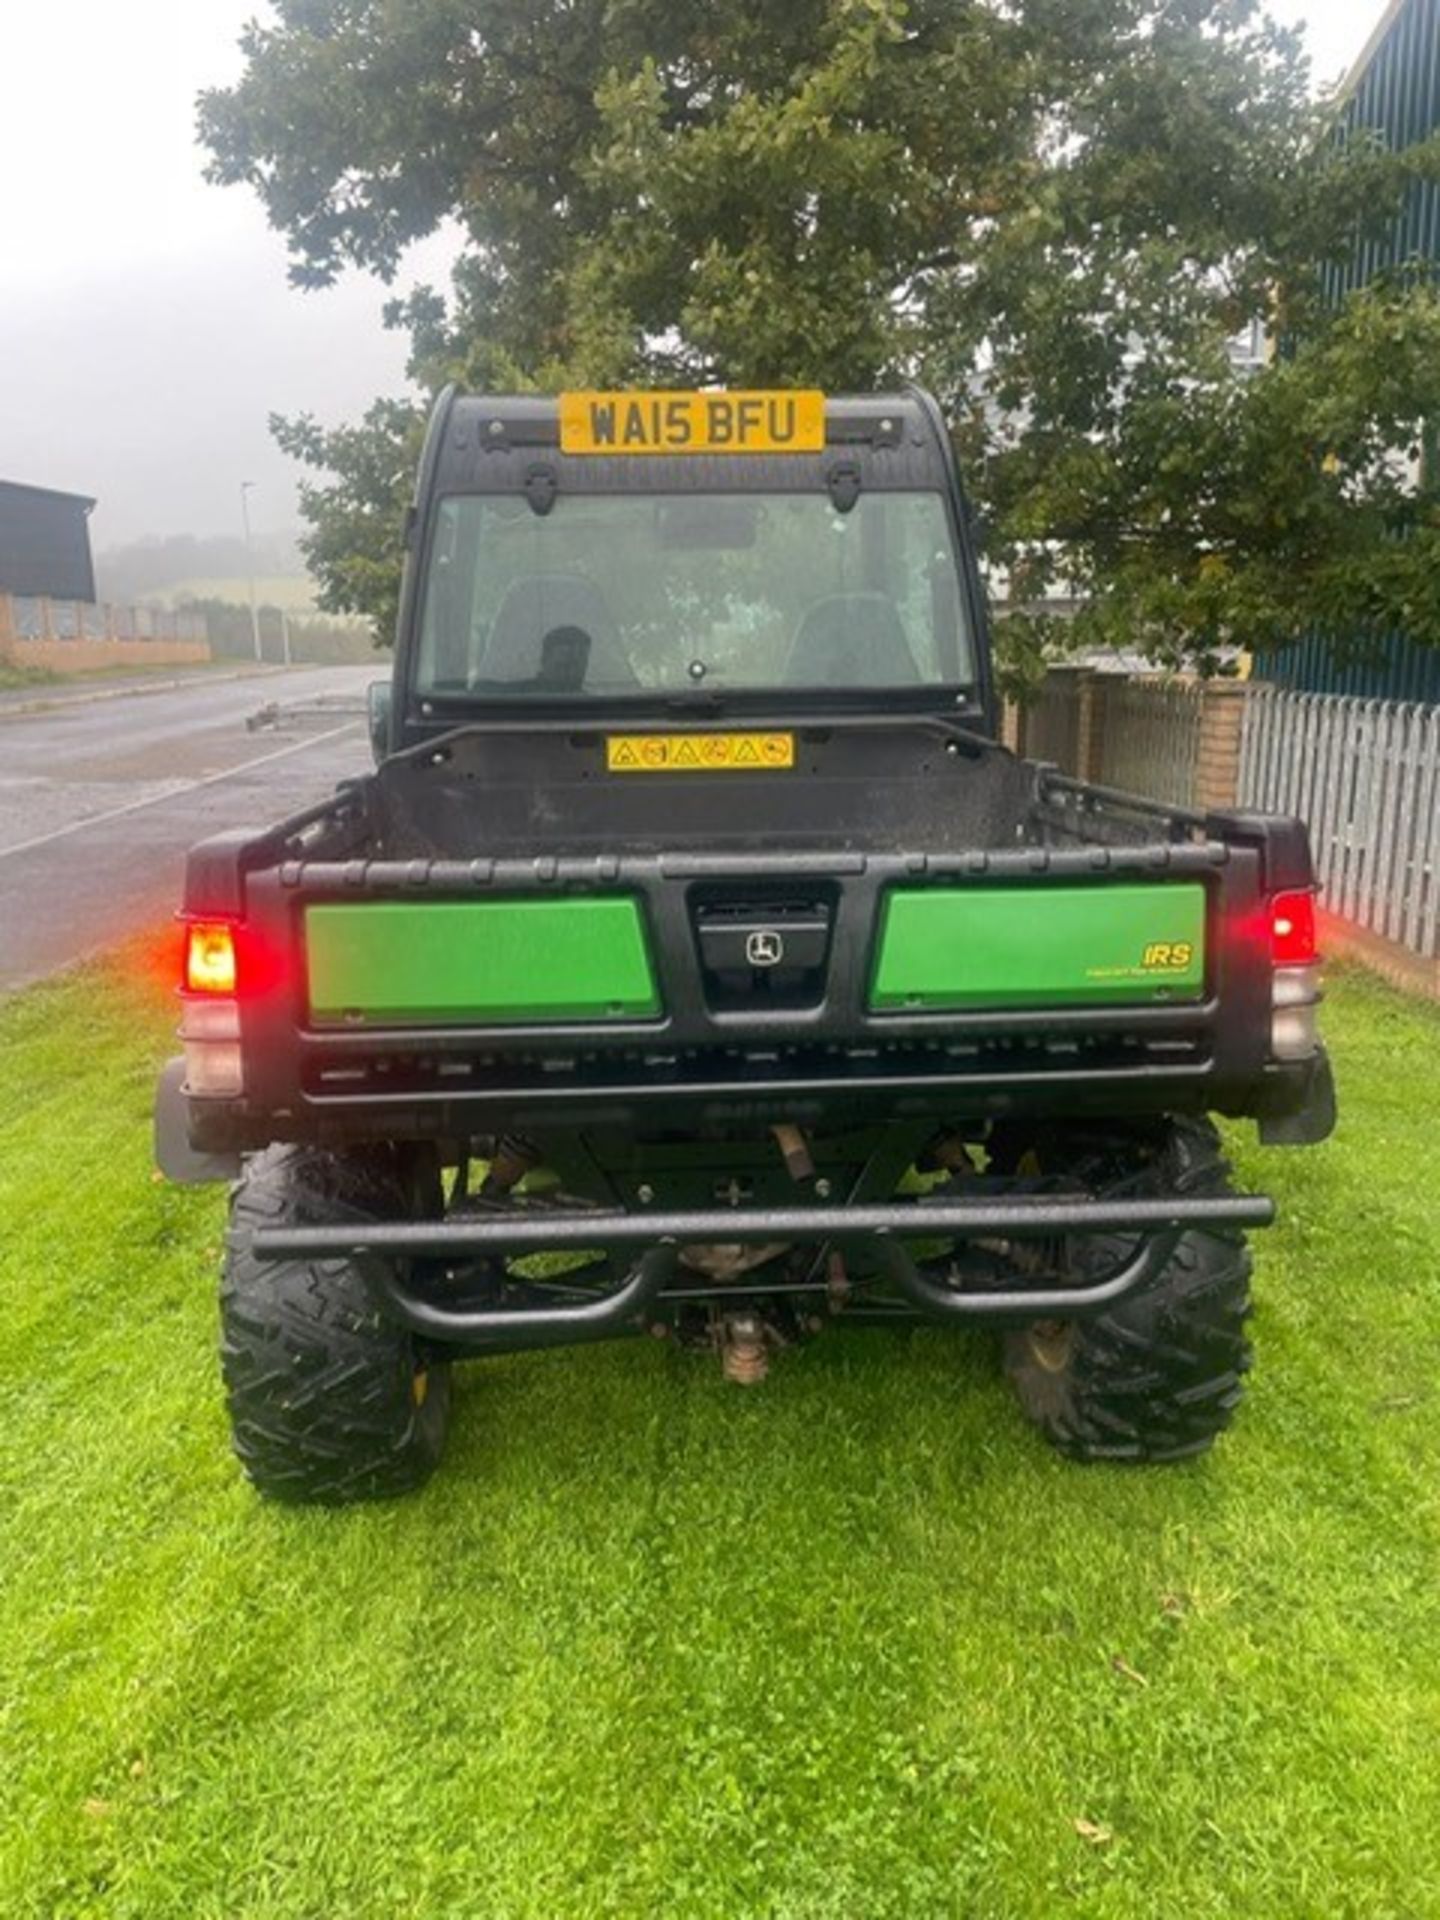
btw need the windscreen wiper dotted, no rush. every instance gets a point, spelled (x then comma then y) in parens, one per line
(697, 700)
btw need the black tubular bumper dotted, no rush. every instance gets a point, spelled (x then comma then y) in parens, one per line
(387, 1253)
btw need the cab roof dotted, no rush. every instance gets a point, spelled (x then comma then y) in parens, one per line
(495, 443)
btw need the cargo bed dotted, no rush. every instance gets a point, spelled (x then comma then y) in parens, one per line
(1084, 952)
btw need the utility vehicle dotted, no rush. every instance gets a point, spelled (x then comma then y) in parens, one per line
(697, 964)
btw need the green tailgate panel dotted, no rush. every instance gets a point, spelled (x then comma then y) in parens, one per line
(1080, 946)
(493, 962)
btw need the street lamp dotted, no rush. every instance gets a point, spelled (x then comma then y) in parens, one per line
(245, 486)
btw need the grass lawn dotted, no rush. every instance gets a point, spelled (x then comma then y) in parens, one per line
(854, 1644)
(13, 678)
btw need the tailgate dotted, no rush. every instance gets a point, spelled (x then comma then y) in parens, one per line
(478, 962)
(921, 950)
(1058, 946)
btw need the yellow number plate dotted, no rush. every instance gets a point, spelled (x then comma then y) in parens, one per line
(779, 422)
(699, 752)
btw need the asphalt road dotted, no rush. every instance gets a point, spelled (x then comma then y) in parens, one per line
(99, 800)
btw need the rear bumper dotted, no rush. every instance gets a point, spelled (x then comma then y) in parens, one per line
(1294, 1103)
(405, 1263)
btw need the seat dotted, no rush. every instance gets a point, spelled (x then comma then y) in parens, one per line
(538, 604)
(851, 640)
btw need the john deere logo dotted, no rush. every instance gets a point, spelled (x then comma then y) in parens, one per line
(764, 947)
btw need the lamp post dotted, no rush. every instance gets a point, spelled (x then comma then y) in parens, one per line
(245, 486)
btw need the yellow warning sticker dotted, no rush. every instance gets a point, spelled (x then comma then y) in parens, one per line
(699, 752)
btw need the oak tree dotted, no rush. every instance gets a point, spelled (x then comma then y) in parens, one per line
(1058, 213)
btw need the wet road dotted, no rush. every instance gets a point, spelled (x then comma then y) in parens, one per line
(99, 800)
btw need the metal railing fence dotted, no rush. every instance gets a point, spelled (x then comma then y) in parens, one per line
(26, 617)
(1152, 738)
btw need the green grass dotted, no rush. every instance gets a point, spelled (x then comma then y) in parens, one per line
(44, 680)
(854, 1644)
(13, 677)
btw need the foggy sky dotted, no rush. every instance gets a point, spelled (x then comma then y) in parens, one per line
(146, 326)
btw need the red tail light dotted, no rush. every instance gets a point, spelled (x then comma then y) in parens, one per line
(1292, 930)
(210, 957)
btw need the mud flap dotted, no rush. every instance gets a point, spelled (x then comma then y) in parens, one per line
(1314, 1120)
(174, 1155)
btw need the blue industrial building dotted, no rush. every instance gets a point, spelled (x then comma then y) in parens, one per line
(45, 542)
(1393, 91)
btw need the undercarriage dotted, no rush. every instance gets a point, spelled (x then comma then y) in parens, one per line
(710, 1253)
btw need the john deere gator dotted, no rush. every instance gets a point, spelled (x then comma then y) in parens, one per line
(696, 964)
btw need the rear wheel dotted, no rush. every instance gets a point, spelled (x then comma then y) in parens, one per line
(329, 1402)
(1158, 1375)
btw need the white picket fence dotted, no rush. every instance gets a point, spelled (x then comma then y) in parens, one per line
(1364, 775)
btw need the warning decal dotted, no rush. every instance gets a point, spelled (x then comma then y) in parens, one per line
(699, 752)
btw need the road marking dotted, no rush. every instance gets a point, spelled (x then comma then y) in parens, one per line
(175, 793)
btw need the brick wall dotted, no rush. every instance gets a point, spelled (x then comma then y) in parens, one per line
(93, 656)
(1217, 761)
(80, 637)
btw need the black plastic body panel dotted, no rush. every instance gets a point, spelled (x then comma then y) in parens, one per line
(176, 1158)
(705, 1065)
(860, 785)
(907, 788)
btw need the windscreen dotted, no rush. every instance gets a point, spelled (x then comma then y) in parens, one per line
(612, 596)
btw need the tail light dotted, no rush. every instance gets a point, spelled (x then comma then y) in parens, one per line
(210, 1025)
(1295, 982)
(210, 957)
(1292, 930)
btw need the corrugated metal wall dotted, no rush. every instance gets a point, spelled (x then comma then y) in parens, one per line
(1400, 671)
(45, 543)
(1398, 97)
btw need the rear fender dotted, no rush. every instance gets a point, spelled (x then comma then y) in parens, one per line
(174, 1155)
